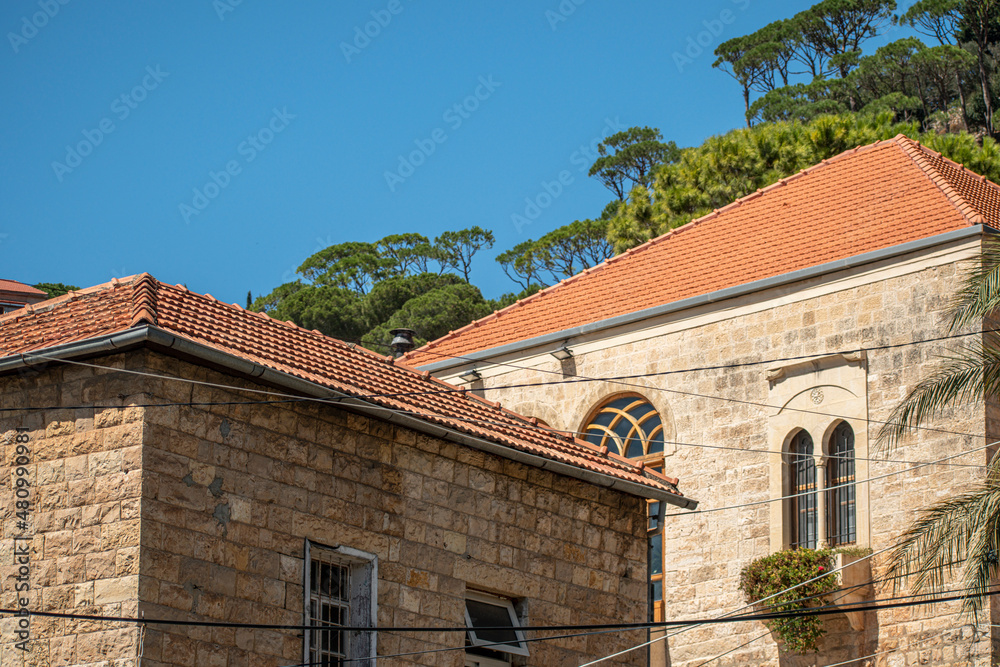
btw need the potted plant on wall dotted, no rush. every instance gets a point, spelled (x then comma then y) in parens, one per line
(773, 575)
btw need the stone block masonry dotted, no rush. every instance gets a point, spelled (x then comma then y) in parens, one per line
(190, 512)
(739, 406)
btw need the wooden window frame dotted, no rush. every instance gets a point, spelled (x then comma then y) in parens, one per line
(363, 599)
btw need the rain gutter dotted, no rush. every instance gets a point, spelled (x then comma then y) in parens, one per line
(162, 339)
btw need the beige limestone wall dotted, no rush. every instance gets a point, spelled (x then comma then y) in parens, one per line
(83, 521)
(231, 492)
(895, 303)
(202, 513)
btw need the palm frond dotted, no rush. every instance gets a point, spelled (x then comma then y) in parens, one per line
(967, 374)
(980, 293)
(957, 534)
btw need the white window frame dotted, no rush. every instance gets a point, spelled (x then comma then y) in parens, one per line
(363, 598)
(503, 603)
(483, 661)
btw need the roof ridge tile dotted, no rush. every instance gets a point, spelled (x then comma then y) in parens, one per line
(918, 154)
(145, 290)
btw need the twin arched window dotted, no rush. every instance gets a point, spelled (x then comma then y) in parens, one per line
(837, 485)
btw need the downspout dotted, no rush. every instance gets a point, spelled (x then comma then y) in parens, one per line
(650, 602)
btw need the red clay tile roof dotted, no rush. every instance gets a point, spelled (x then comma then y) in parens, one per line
(866, 199)
(132, 302)
(19, 288)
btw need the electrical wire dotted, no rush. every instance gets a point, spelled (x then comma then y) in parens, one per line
(913, 466)
(729, 614)
(816, 611)
(892, 650)
(526, 640)
(838, 595)
(804, 357)
(336, 400)
(842, 593)
(577, 379)
(529, 426)
(636, 376)
(832, 488)
(733, 650)
(889, 603)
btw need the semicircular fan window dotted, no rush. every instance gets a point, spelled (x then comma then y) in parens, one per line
(628, 425)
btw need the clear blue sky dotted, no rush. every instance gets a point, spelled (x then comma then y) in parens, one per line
(115, 112)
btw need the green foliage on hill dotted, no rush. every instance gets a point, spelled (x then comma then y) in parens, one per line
(729, 166)
(906, 76)
(55, 289)
(359, 291)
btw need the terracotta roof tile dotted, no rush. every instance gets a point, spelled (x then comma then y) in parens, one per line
(866, 199)
(124, 304)
(19, 287)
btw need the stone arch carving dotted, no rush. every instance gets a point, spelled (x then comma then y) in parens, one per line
(541, 411)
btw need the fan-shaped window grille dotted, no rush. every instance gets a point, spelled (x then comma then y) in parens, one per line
(629, 426)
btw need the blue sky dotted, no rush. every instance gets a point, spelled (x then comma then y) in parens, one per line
(218, 143)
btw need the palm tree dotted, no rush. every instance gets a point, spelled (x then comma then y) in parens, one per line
(961, 533)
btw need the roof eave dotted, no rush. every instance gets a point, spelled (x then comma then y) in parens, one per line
(711, 297)
(152, 335)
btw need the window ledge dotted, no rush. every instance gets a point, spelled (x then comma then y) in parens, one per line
(856, 578)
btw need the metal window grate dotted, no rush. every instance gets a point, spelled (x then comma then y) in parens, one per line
(841, 506)
(329, 606)
(803, 468)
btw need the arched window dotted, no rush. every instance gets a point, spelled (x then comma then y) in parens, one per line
(630, 426)
(841, 521)
(627, 425)
(803, 491)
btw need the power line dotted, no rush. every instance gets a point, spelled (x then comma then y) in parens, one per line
(874, 348)
(892, 650)
(890, 603)
(816, 611)
(526, 640)
(831, 488)
(842, 593)
(529, 426)
(733, 650)
(583, 379)
(290, 398)
(729, 614)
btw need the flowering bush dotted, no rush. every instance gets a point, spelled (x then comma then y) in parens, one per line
(769, 575)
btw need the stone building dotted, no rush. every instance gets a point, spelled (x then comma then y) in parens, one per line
(15, 295)
(172, 458)
(754, 352)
